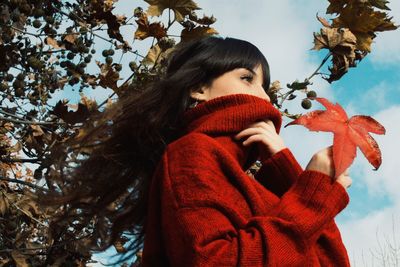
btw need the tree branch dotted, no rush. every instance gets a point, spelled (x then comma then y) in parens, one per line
(20, 160)
(22, 182)
(31, 122)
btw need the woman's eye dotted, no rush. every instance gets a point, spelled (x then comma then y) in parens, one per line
(247, 77)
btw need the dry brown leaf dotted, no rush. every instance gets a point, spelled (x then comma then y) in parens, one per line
(275, 86)
(205, 20)
(155, 55)
(381, 4)
(91, 104)
(4, 205)
(342, 43)
(37, 130)
(9, 126)
(19, 258)
(181, 8)
(108, 77)
(29, 172)
(119, 244)
(28, 205)
(16, 148)
(108, 4)
(336, 6)
(71, 37)
(61, 111)
(52, 42)
(363, 21)
(18, 174)
(197, 32)
(145, 29)
(324, 22)
(331, 38)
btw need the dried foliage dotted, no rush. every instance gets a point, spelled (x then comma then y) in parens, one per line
(349, 37)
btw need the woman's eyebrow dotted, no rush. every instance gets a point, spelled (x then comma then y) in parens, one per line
(252, 71)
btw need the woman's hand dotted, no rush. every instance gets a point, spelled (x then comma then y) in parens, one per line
(322, 161)
(264, 133)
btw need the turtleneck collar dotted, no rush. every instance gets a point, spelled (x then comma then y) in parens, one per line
(223, 117)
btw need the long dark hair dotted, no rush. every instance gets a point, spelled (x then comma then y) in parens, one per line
(138, 127)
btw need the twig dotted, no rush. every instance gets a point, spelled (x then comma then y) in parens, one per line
(20, 160)
(8, 114)
(307, 80)
(31, 122)
(22, 182)
(320, 66)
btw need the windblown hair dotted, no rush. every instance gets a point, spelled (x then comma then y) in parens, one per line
(143, 123)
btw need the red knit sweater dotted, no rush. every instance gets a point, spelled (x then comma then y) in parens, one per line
(204, 210)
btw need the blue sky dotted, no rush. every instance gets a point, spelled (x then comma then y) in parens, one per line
(283, 32)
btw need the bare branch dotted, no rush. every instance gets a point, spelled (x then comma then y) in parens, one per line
(22, 183)
(22, 121)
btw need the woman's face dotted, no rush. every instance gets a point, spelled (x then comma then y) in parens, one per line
(237, 81)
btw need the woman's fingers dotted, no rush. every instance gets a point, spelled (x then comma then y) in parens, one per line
(344, 180)
(252, 131)
(346, 172)
(263, 133)
(270, 123)
(259, 127)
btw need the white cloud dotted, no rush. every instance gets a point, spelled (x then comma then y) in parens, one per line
(368, 239)
(359, 234)
(386, 46)
(387, 175)
(378, 97)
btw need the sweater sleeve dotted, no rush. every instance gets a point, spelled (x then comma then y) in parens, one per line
(279, 172)
(206, 232)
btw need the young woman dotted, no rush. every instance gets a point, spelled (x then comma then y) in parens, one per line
(203, 209)
(175, 161)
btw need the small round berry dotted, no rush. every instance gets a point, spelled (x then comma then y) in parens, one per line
(109, 60)
(36, 23)
(118, 67)
(306, 103)
(311, 94)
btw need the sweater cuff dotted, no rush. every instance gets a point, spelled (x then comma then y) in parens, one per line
(312, 202)
(279, 172)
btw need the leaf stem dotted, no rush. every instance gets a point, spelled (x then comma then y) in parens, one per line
(320, 66)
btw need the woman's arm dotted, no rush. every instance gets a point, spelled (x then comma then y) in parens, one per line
(279, 172)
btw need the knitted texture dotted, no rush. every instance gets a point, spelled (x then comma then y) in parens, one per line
(204, 210)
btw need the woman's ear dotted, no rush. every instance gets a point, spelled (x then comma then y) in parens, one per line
(200, 94)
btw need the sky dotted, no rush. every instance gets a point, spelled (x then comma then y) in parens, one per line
(282, 30)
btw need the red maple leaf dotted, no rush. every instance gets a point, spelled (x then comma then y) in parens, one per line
(348, 133)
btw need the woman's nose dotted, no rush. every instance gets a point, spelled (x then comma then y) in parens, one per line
(264, 94)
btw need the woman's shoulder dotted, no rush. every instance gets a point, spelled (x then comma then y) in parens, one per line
(194, 150)
(192, 141)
